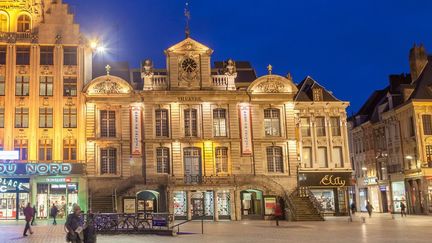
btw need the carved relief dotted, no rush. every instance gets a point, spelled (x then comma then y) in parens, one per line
(271, 86)
(337, 141)
(107, 87)
(70, 70)
(46, 70)
(322, 142)
(306, 141)
(23, 69)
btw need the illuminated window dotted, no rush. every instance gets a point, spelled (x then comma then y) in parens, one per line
(2, 85)
(162, 160)
(221, 154)
(322, 157)
(192, 164)
(219, 123)
(70, 56)
(429, 155)
(337, 157)
(21, 117)
(21, 145)
(45, 150)
(70, 117)
(23, 56)
(4, 25)
(190, 123)
(307, 157)
(45, 117)
(47, 55)
(317, 94)
(24, 22)
(69, 86)
(2, 117)
(305, 127)
(272, 122)
(107, 124)
(320, 126)
(427, 124)
(335, 126)
(162, 129)
(22, 85)
(274, 159)
(69, 150)
(108, 161)
(46, 85)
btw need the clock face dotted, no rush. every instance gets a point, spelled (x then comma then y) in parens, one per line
(189, 65)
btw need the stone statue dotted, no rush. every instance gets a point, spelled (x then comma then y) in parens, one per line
(147, 68)
(230, 68)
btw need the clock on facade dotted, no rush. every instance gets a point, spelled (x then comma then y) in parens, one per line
(189, 65)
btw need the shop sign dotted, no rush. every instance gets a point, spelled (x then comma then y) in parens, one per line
(40, 168)
(136, 131)
(58, 179)
(383, 188)
(326, 179)
(246, 130)
(11, 184)
(270, 204)
(9, 155)
(159, 221)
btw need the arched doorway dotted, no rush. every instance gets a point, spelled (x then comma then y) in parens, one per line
(252, 204)
(147, 201)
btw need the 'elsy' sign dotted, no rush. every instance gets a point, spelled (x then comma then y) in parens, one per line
(40, 169)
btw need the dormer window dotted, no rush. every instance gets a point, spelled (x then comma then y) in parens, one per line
(24, 22)
(317, 94)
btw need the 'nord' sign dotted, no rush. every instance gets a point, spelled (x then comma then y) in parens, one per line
(40, 169)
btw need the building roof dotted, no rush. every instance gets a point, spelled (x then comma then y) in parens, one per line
(305, 91)
(423, 85)
(245, 72)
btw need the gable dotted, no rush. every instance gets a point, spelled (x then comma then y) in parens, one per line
(189, 45)
(272, 84)
(108, 85)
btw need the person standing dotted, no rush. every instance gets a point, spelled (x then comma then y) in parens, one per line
(353, 208)
(34, 215)
(403, 209)
(54, 212)
(369, 208)
(277, 213)
(74, 227)
(90, 231)
(28, 213)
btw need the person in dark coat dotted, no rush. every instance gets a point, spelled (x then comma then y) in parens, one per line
(353, 208)
(28, 213)
(369, 208)
(74, 226)
(403, 209)
(277, 213)
(54, 212)
(90, 231)
(34, 216)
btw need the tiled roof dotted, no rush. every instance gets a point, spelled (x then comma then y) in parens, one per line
(305, 91)
(423, 85)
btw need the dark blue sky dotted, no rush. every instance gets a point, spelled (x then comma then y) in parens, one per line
(348, 46)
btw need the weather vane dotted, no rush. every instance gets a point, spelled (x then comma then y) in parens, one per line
(188, 17)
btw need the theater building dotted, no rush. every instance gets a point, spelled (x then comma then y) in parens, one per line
(201, 137)
(44, 63)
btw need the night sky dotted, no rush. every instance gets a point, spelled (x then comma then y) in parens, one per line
(348, 46)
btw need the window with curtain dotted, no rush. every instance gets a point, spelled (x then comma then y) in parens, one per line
(69, 86)
(162, 160)
(190, 123)
(337, 157)
(21, 145)
(69, 117)
(305, 127)
(272, 122)
(162, 128)
(45, 150)
(21, 117)
(46, 85)
(45, 117)
(322, 157)
(69, 150)
(307, 157)
(22, 85)
(108, 161)
(23, 23)
(335, 126)
(320, 126)
(221, 154)
(219, 122)
(107, 124)
(274, 159)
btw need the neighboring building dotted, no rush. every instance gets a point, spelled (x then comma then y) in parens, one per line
(43, 67)
(399, 118)
(215, 139)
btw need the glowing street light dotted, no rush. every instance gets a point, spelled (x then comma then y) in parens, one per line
(93, 45)
(101, 49)
(409, 157)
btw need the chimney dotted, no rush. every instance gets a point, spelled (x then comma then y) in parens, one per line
(417, 60)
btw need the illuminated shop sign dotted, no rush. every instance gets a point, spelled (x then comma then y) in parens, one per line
(12, 184)
(40, 169)
(325, 179)
(8, 155)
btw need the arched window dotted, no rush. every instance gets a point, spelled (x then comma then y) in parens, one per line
(4, 26)
(24, 23)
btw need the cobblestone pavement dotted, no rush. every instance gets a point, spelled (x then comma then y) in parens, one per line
(381, 228)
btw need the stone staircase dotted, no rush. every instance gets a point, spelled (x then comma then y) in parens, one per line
(305, 210)
(102, 204)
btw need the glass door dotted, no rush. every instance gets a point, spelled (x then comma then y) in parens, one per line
(197, 207)
(8, 209)
(24, 199)
(57, 196)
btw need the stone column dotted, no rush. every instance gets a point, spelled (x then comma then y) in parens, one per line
(236, 204)
(215, 206)
(189, 205)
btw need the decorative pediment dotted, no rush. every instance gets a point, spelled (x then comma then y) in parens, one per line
(189, 45)
(272, 84)
(108, 85)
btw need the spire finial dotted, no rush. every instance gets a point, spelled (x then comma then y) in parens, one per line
(270, 69)
(188, 17)
(108, 69)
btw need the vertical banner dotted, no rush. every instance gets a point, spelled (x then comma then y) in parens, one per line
(246, 129)
(136, 147)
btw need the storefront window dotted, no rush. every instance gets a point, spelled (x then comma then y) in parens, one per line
(208, 203)
(13, 199)
(224, 205)
(63, 195)
(374, 198)
(251, 202)
(326, 198)
(363, 195)
(398, 195)
(180, 204)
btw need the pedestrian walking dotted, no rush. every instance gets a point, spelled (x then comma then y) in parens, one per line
(54, 212)
(34, 215)
(403, 209)
(28, 213)
(369, 208)
(353, 208)
(90, 231)
(277, 213)
(74, 227)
